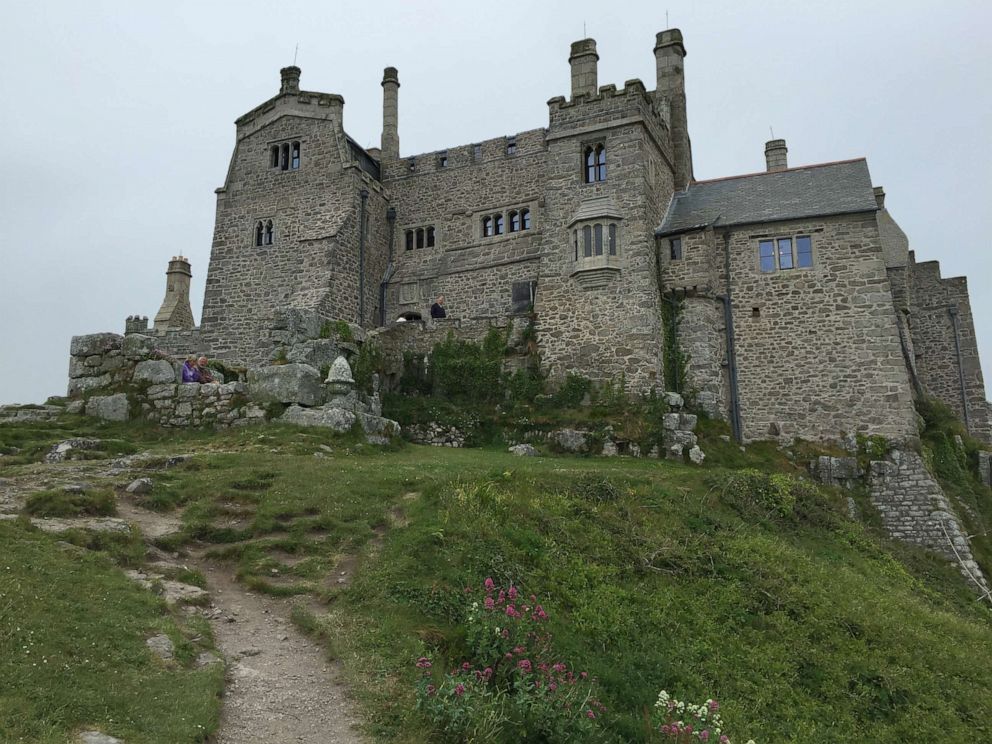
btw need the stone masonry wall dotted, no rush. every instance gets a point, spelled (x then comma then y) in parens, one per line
(610, 330)
(474, 272)
(818, 349)
(914, 509)
(932, 330)
(308, 207)
(122, 377)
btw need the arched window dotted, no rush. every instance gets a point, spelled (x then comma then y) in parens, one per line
(514, 221)
(409, 240)
(259, 233)
(586, 241)
(295, 162)
(284, 162)
(613, 240)
(430, 237)
(275, 156)
(595, 163)
(420, 237)
(525, 218)
(268, 232)
(487, 227)
(575, 235)
(498, 224)
(598, 232)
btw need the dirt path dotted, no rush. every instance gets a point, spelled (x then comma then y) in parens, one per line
(281, 689)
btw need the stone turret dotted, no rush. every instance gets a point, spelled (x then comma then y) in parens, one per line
(390, 114)
(584, 61)
(176, 313)
(669, 54)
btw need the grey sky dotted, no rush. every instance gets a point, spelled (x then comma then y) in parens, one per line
(117, 121)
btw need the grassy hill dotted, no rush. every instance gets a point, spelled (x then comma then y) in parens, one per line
(715, 582)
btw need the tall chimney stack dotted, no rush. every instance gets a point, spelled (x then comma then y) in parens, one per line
(583, 60)
(175, 312)
(390, 114)
(775, 155)
(669, 55)
(290, 79)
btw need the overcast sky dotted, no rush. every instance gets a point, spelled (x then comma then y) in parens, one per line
(117, 121)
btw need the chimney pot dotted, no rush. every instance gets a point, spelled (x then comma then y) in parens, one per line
(776, 155)
(879, 196)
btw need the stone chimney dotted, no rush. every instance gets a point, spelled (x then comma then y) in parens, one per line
(583, 59)
(879, 196)
(669, 55)
(775, 155)
(290, 79)
(175, 313)
(390, 114)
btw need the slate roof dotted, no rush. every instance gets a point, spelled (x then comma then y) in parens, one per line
(843, 187)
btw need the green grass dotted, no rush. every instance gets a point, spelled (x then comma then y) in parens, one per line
(73, 655)
(807, 626)
(59, 503)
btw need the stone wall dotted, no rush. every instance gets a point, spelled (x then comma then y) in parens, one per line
(118, 378)
(818, 350)
(914, 509)
(474, 272)
(933, 300)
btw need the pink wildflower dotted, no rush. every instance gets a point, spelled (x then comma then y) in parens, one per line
(513, 592)
(423, 663)
(511, 611)
(487, 673)
(459, 690)
(505, 633)
(524, 666)
(431, 689)
(489, 584)
(559, 667)
(466, 666)
(501, 598)
(518, 649)
(590, 714)
(714, 705)
(704, 735)
(665, 728)
(489, 603)
(724, 739)
(553, 686)
(583, 674)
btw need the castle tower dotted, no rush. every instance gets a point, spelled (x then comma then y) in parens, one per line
(390, 114)
(290, 79)
(669, 53)
(175, 313)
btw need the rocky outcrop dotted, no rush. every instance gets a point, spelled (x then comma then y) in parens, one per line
(286, 383)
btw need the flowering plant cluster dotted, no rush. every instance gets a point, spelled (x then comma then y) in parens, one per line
(513, 688)
(683, 722)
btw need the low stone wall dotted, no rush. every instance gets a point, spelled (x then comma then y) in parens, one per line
(914, 509)
(117, 378)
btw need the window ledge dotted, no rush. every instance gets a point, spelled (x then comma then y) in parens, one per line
(596, 272)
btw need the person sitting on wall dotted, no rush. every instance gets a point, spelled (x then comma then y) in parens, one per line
(204, 370)
(437, 309)
(191, 372)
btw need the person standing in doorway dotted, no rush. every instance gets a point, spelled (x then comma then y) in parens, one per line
(437, 309)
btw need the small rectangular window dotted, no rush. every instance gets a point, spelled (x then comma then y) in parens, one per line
(477, 152)
(409, 240)
(295, 163)
(275, 156)
(586, 241)
(430, 237)
(522, 296)
(442, 161)
(785, 253)
(613, 240)
(420, 237)
(511, 148)
(598, 232)
(804, 252)
(675, 249)
(766, 255)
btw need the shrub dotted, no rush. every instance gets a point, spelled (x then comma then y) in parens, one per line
(680, 722)
(338, 329)
(512, 689)
(368, 362)
(57, 503)
(752, 491)
(467, 371)
(572, 391)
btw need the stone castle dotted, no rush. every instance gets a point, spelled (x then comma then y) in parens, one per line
(790, 296)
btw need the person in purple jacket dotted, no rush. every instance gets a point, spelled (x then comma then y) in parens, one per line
(191, 372)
